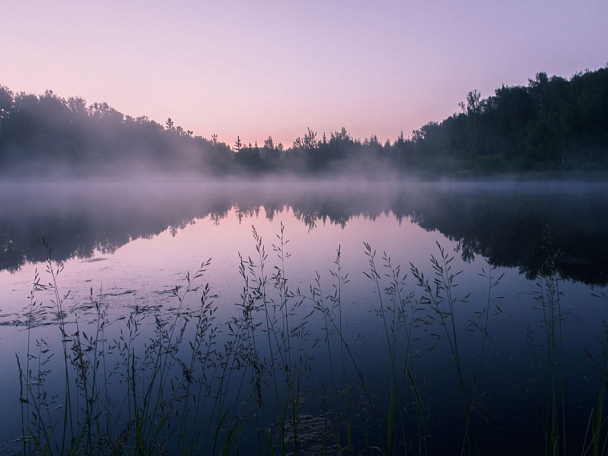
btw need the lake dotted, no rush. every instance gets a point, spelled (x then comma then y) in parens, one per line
(340, 316)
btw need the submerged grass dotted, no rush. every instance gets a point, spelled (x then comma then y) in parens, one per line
(182, 382)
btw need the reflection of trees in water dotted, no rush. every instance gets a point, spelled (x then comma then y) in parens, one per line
(509, 228)
(519, 229)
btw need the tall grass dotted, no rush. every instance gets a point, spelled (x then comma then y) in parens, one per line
(596, 437)
(180, 381)
(125, 395)
(397, 312)
(549, 302)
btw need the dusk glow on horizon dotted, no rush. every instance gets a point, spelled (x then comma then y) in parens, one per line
(270, 68)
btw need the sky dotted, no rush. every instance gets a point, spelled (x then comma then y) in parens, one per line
(259, 68)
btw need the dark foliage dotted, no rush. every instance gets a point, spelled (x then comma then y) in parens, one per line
(42, 132)
(550, 124)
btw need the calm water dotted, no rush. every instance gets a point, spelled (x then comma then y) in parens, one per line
(129, 245)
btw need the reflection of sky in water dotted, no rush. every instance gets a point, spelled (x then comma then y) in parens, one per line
(141, 274)
(162, 262)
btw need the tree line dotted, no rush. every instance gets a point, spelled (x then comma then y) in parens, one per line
(47, 131)
(551, 124)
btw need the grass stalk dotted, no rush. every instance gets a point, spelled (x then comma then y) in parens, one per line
(197, 385)
(441, 300)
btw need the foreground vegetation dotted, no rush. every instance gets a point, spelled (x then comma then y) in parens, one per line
(183, 382)
(551, 124)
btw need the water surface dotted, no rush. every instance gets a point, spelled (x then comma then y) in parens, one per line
(130, 244)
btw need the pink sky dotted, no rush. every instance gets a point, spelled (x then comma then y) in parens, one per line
(259, 68)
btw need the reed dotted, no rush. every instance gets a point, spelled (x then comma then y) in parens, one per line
(548, 297)
(397, 312)
(440, 296)
(126, 395)
(182, 382)
(596, 437)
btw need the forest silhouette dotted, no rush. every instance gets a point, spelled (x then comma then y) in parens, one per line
(551, 124)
